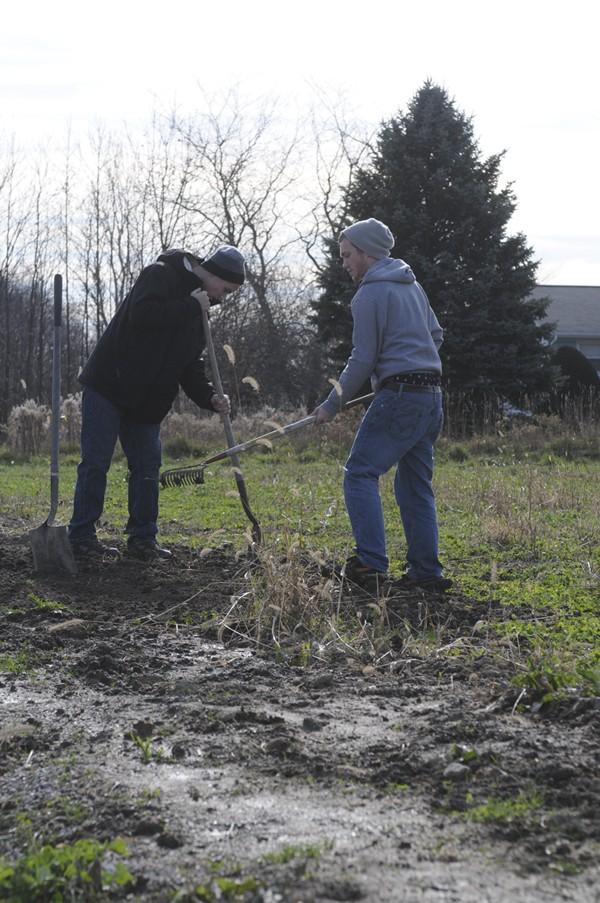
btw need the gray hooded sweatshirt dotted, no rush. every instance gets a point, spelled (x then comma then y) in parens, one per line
(395, 330)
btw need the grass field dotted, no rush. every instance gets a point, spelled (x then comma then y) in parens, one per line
(525, 534)
(453, 734)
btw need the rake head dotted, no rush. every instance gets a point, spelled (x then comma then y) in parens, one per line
(182, 476)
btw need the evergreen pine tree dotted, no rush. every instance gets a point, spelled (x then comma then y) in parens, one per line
(427, 181)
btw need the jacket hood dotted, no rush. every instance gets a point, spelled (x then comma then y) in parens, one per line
(174, 258)
(390, 269)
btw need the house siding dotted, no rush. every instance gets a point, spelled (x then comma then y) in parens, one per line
(575, 312)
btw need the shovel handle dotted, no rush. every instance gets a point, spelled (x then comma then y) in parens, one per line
(58, 300)
(55, 422)
(239, 478)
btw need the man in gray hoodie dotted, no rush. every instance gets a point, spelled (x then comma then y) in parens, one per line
(395, 340)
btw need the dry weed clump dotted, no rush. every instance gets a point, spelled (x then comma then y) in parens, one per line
(27, 428)
(287, 604)
(551, 434)
(189, 433)
(184, 433)
(70, 421)
(284, 601)
(572, 433)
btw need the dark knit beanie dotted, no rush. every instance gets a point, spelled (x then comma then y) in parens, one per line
(371, 236)
(227, 263)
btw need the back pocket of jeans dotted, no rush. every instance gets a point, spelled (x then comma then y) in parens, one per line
(408, 419)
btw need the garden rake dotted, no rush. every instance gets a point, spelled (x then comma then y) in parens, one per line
(194, 473)
(50, 544)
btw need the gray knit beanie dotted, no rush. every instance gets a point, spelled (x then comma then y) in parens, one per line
(371, 236)
(227, 263)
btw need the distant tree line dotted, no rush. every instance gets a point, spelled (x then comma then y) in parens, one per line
(98, 213)
(235, 174)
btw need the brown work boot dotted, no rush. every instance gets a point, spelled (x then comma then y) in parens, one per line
(429, 584)
(147, 550)
(94, 550)
(361, 574)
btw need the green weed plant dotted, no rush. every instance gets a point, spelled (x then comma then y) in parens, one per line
(64, 872)
(504, 811)
(17, 663)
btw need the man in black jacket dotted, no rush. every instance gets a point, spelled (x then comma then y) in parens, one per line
(150, 348)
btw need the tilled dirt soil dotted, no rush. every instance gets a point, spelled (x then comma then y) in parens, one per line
(120, 715)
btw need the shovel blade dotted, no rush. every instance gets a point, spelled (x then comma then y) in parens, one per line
(52, 550)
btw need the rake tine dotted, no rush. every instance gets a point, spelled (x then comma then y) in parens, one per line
(192, 476)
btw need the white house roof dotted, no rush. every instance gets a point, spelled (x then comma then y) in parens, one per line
(574, 308)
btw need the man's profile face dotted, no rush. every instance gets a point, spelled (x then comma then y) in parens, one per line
(215, 287)
(219, 288)
(355, 262)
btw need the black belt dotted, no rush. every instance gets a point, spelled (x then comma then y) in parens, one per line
(413, 382)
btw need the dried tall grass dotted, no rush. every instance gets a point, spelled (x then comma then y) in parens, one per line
(289, 603)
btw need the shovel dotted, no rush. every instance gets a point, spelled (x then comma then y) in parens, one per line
(50, 544)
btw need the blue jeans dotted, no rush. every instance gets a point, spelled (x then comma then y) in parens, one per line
(399, 428)
(101, 425)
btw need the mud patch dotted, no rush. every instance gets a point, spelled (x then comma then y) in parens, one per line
(254, 779)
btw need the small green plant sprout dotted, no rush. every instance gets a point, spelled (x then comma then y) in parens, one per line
(291, 852)
(305, 654)
(24, 829)
(589, 679)
(144, 744)
(505, 811)
(18, 663)
(47, 604)
(150, 793)
(546, 679)
(229, 889)
(397, 787)
(71, 810)
(65, 872)
(462, 753)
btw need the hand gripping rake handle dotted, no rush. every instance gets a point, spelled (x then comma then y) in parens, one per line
(194, 473)
(239, 477)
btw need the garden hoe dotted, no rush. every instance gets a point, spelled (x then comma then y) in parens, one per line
(194, 474)
(50, 544)
(204, 302)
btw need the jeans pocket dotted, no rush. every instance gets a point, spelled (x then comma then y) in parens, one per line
(408, 419)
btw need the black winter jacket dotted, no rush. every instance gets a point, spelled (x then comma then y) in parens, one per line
(152, 345)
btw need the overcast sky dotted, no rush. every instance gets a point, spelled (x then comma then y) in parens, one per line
(525, 71)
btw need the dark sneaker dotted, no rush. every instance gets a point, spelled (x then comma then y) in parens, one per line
(367, 577)
(147, 550)
(429, 584)
(94, 550)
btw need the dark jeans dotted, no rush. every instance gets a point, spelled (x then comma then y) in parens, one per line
(101, 425)
(399, 429)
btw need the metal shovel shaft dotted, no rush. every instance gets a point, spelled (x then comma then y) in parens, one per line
(55, 422)
(50, 544)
